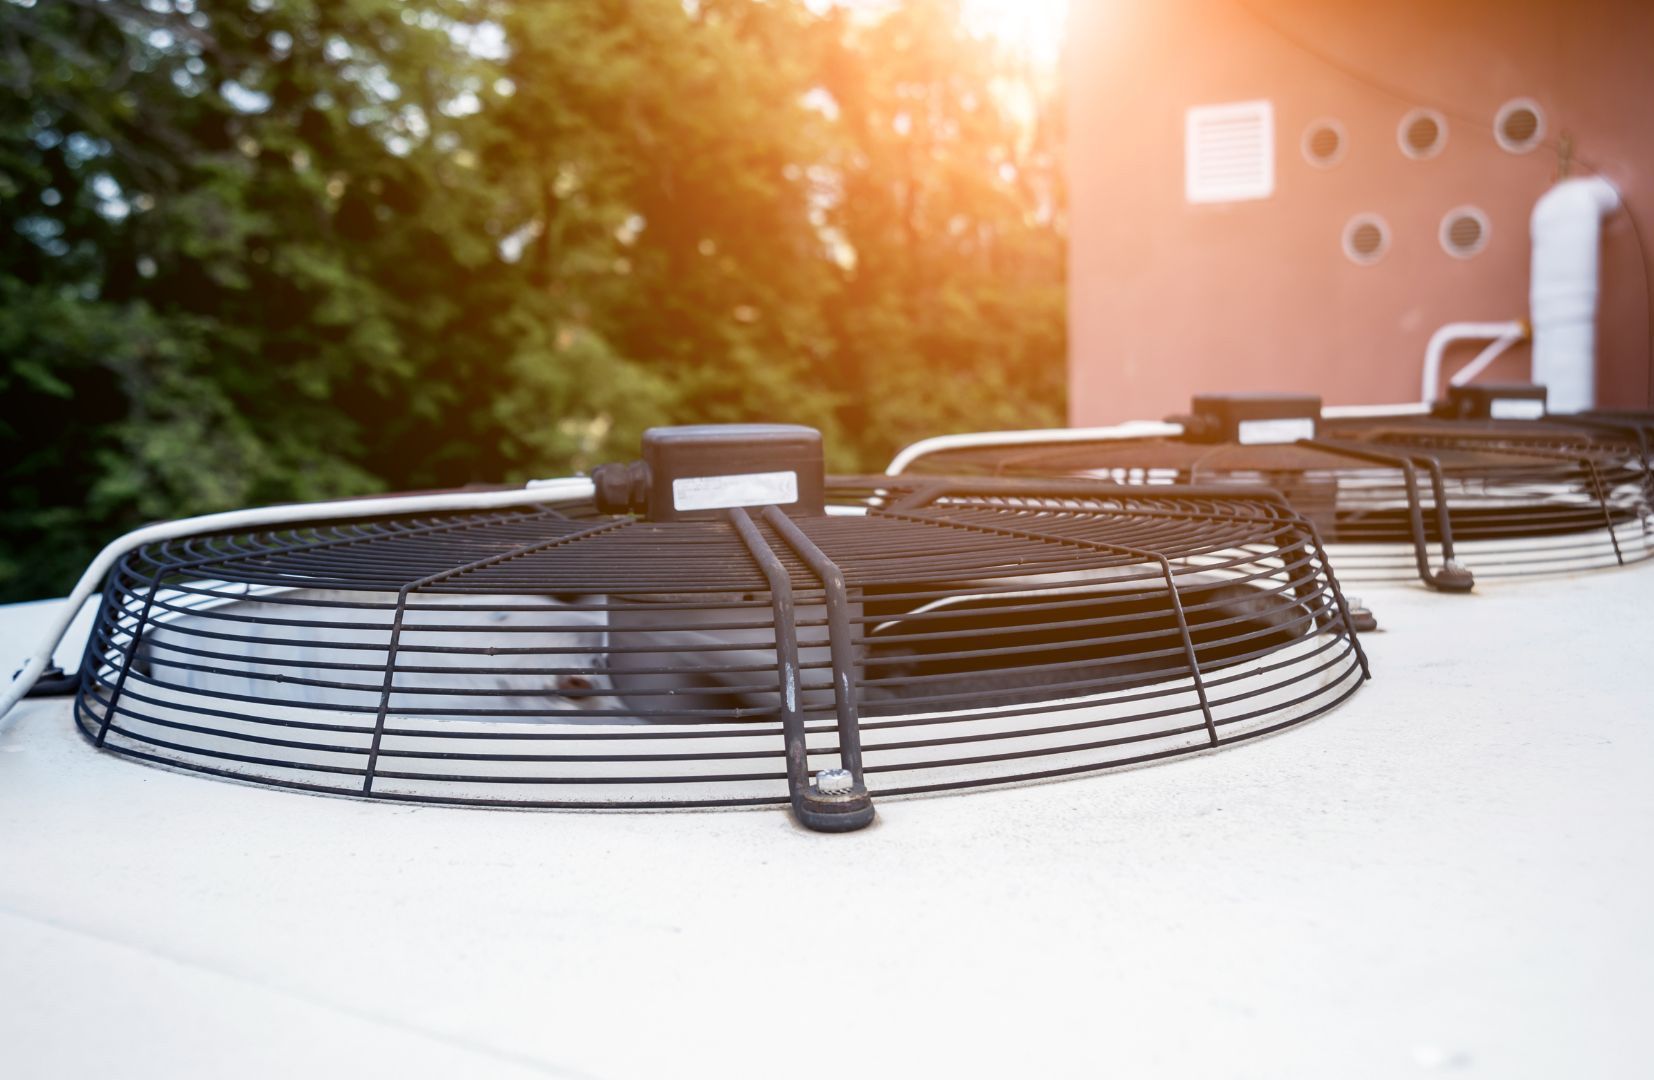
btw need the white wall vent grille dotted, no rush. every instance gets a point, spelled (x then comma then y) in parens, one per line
(1229, 152)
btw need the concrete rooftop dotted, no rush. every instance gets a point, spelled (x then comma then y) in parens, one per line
(1450, 874)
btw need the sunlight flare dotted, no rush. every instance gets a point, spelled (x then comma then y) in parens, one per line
(1032, 26)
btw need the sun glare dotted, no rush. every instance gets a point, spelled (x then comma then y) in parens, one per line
(1032, 26)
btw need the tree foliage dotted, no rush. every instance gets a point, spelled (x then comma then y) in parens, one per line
(292, 249)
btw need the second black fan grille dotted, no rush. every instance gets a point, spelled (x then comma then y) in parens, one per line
(1508, 498)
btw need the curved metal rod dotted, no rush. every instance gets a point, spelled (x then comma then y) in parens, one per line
(1584, 462)
(1116, 549)
(1602, 501)
(1633, 431)
(1452, 577)
(1035, 487)
(1338, 595)
(810, 807)
(402, 608)
(854, 800)
(86, 668)
(839, 635)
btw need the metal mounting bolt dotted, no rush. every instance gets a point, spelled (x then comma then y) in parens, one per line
(834, 781)
(1454, 577)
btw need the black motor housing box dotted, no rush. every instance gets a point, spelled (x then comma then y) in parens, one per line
(700, 470)
(1253, 418)
(1493, 401)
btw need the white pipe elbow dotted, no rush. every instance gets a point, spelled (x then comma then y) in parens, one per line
(1514, 330)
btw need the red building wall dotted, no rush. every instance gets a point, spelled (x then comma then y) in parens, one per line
(1171, 298)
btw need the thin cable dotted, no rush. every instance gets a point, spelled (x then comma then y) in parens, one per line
(1405, 95)
(1642, 267)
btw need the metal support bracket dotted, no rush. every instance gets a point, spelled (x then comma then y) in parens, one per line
(839, 812)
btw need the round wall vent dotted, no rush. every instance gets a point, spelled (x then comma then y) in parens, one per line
(1464, 232)
(1422, 134)
(1520, 126)
(1324, 143)
(1366, 238)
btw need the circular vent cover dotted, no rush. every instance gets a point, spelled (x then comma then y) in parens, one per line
(1464, 232)
(1422, 133)
(1519, 125)
(1366, 239)
(922, 637)
(1323, 143)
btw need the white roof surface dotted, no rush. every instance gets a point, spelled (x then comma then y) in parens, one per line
(1449, 874)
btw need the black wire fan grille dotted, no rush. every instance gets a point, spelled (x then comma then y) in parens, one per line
(1506, 497)
(956, 634)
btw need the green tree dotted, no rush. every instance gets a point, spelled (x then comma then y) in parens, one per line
(947, 194)
(290, 249)
(246, 256)
(655, 157)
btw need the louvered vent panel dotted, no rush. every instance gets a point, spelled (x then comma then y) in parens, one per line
(1229, 152)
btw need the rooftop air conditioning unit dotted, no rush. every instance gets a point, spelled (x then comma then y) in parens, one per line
(720, 624)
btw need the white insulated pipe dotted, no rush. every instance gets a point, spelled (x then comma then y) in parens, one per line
(1502, 335)
(1487, 356)
(1563, 286)
(1375, 412)
(1135, 429)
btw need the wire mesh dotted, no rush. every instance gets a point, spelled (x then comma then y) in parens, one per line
(987, 633)
(1515, 497)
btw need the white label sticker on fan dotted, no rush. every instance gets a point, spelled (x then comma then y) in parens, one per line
(1284, 430)
(745, 489)
(1515, 408)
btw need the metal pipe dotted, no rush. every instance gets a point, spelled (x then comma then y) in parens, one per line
(972, 440)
